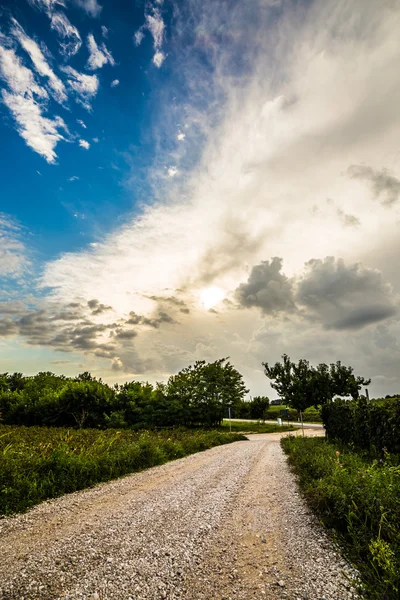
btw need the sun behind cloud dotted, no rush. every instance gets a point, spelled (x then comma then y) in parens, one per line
(211, 296)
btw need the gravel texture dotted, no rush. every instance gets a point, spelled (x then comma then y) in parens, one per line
(227, 523)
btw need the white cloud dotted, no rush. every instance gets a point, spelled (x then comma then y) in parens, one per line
(84, 144)
(40, 133)
(158, 58)
(57, 88)
(273, 147)
(155, 25)
(13, 255)
(95, 139)
(139, 35)
(115, 82)
(70, 42)
(85, 86)
(81, 123)
(91, 7)
(25, 101)
(19, 79)
(73, 178)
(181, 136)
(98, 55)
(104, 31)
(172, 171)
(47, 5)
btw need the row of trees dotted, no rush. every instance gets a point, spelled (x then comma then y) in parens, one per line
(301, 385)
(199, 395)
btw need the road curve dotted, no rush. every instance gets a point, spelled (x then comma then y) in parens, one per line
(270, 422)
(227, 523)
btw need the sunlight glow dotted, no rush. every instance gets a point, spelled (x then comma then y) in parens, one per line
(211, 296)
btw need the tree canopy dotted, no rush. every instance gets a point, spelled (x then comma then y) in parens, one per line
(197, 396)
(301, 385)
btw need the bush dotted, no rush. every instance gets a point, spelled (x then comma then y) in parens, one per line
(360, 499)
(372, 426)
(37, 463)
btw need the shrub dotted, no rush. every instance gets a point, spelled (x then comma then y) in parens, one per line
(372, 426)
(359, 498)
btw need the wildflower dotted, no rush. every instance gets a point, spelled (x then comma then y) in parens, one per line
(337, 452)
(341, 466)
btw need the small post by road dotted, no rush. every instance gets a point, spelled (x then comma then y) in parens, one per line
(302, 424)
(230, 422)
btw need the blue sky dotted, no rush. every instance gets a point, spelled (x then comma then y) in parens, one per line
(87, 183)
(191, 180)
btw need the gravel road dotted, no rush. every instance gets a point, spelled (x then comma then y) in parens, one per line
(223, 524)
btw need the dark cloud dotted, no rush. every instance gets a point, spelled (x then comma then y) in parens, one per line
(163, 317)
(344, 297)
(12, 307)
(363, 316)
(382, 183)
(267, 288)
(168, 300)
(126, 334)
(97, 308)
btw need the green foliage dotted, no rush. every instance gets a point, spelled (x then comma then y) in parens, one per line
(249, 427)
(360, 499)
(37, 463)
(259, 407)
(204, 391)
(197, 396)
(373, 426)
(302, 386)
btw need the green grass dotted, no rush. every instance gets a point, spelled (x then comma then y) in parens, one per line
(247, 427)
(37, 463)
(359, 498)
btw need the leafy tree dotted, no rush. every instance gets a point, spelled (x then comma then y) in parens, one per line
(258, 407)
(205, 390)
(302, 386)
(292, 381)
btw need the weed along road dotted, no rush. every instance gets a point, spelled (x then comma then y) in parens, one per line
(227, 523)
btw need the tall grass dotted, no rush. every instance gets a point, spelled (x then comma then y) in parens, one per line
(248, 426)
(358, 497)
(37, 463)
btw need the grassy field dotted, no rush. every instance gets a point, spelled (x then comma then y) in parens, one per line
(359, 498)
(249, 427)
(37, 463)
(310, 415)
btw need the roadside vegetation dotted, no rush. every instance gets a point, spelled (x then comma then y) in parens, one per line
(352, 479)
(37, 463)
(251, 427)
(357, 495)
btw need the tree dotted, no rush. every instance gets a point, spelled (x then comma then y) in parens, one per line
(205, 390)
(302, 386)
(258, 406)
(292, 381)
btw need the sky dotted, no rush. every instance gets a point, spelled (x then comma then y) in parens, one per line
(186, 180)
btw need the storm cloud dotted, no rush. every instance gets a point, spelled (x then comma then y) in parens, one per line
(267, 288)
(345, 297)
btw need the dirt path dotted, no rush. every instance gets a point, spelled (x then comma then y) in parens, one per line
(225, 523)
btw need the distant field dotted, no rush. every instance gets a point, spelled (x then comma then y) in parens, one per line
(310, 415)
(37, 463)
(246, 426)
